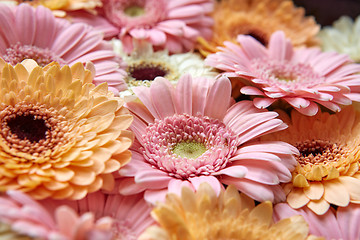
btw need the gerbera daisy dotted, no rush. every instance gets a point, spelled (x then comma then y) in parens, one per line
(32, 33)
(259, 18)
(340, 224)
(60, 136)
(27, 217)
(130, 214)
(60, 7)
(192, 134)
(203, 215)
(300, 77)
(143, 65)
(167, 24)
(328, 164)
(342, 37)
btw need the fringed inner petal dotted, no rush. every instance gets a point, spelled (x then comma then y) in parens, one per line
(186, 146)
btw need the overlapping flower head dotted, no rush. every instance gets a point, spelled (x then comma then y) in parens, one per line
(32, 220)
(60, 7)
(61, 136)
(32, 33)
(342, 37)
(328, 165)
(144, 65)
(342, 223)
(301, 78)
(204, 215)
(259, 18)
(130, 215)
(167, 24)
(193, 134)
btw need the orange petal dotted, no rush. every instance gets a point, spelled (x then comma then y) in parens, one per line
(352, 185)
(83, 176)
(315, 190)
(336, 193)
(63, 174)
(297, 198)
(319, 206)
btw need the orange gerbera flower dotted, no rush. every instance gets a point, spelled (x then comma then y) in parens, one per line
(60, 136)
(259, 18)
(328, 165)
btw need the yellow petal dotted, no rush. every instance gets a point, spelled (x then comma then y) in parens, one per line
(83, 176)
(103, 108)
(336, 193)
(297, 198)
(332, 174)
(63, 174)
(315, 190)
(300, 181)
(263, 212)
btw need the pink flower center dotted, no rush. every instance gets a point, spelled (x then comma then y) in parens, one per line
(134, 13)
(187, 146)
(286, 74)
(17, 53)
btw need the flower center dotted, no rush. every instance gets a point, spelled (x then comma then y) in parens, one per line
(186, 146)
(32, 129)
(129, 14)
(190, 150)
(17, 53)
(134, 11)
(319, 152)
(286, 74)
(147, 71)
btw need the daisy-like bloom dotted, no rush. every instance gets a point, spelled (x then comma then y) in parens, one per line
(342, 37)
(144, 65)
(60, 136)
(130, 214)
(60, 7)
(302, 78)
(29, 218)
(259, 18)
(328, 164)
(342, 224)
(191, 134)
(167, 24)
(32, 33)
(204, 215)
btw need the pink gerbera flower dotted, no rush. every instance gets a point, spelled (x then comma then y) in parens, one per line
(29, 218)
(340, 224)
(32, 33)
(301, 77)
(193, 134)
(167, 24)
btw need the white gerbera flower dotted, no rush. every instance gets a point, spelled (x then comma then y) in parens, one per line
(144, 65)
(343, 37)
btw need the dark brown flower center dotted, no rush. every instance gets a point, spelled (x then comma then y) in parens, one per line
(249, 29)
(146, 71)
(31, 128)
(319, 151)
(28, 127)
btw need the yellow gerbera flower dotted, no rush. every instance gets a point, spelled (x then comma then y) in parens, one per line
(60, 136)
(259, 18)
(205, 216)
(328, 165)
(59, 7)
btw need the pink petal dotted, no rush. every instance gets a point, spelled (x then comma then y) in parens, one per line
(311, 110)
(249, 90)
(155, 196)
(175, 186)
(7, 20)
(184, 95)
(45, 23)
(251, 47)
(297, 102)
(213, 181)
(200, 91)
(233, 171)
(128, 186)
(152, 178)
(218, 98)
(262, 103)
(161, 96)
(279, 47)
(25, 23)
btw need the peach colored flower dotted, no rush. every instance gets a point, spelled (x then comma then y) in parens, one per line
(204, 215)
(259, 18)
(61, 136)
(328, 165)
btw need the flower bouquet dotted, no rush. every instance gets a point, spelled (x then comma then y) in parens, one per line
(177, 120)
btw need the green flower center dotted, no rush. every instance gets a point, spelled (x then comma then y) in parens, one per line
(134, 11)
(190, 150)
